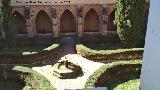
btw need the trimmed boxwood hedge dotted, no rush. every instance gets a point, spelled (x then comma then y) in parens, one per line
(31, 79)
(52, 52)
(112, 71)
(101, 55)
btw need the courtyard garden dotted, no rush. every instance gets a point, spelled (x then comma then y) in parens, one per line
(112, 61)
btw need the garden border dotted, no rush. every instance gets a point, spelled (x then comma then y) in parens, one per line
(109, 55)
(52, 52)
(112, 71)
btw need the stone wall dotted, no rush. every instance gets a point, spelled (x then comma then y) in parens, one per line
(80, 15)
(56, 15)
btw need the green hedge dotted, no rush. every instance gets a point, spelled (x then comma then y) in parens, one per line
(26, 76)
(34, 80)
(93, 39)
(111, 71)
(49, 53)
(119, 54)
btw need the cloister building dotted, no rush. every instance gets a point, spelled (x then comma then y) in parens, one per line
(64, 17)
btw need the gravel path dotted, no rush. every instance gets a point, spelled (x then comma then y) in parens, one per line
(88, 67)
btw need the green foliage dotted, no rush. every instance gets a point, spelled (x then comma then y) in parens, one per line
(8, 24)
(129, 18)
(130, 85)
(118, 54)
(34, 80)
(91, 81)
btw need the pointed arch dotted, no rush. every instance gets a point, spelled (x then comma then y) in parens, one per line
(111, 19)
(91, 21)
(43, 23)
(20, 23)
(67, 22)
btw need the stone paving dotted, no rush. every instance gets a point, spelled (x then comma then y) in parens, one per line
(78, 83)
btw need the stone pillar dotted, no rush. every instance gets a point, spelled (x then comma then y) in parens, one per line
(80, 20)
(80, 26)
(150, 76)
(104, 19)
(104, 25)
(34, 27)
(29, 24)
(55, 21)
(55, 27)
(29, 28)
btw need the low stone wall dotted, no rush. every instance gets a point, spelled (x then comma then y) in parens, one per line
(52, 54)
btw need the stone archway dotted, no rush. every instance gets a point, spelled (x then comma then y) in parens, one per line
(111, 25)
(91, 21)
(43, 23)
(20, 23)
(67, 22)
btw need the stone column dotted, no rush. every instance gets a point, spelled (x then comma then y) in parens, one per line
(104, 25)
(104, 20)
(80, 20)
(27, 14)
(150, 76)
(80, 26)
(34, 28)
(29, 28)
(55, 21)
(55, 27)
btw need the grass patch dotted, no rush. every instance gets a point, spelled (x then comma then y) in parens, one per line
(128, 82)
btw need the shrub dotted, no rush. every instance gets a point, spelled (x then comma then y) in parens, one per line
(129, 19)
(119, 54)
(51, 53)
(8, 24)
(34, 80)
(111, 71)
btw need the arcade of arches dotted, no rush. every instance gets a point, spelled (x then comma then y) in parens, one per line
(68, 22)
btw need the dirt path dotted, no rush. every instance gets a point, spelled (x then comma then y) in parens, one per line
(88, 68)
(68, 45)
(78, 83)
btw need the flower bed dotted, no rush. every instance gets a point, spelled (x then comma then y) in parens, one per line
(113, 71)
(109, 55)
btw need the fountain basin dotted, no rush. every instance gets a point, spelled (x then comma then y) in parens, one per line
(63, 71)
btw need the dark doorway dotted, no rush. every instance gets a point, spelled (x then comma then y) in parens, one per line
(91, 21)
(67, 22)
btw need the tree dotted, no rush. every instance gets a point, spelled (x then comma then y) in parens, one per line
(129, 18)
(8, 24)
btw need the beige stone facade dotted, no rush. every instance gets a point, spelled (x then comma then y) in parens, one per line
(64, 17)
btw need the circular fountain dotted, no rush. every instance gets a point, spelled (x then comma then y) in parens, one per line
(65, 69)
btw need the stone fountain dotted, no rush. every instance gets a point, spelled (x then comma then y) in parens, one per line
(66, 69)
